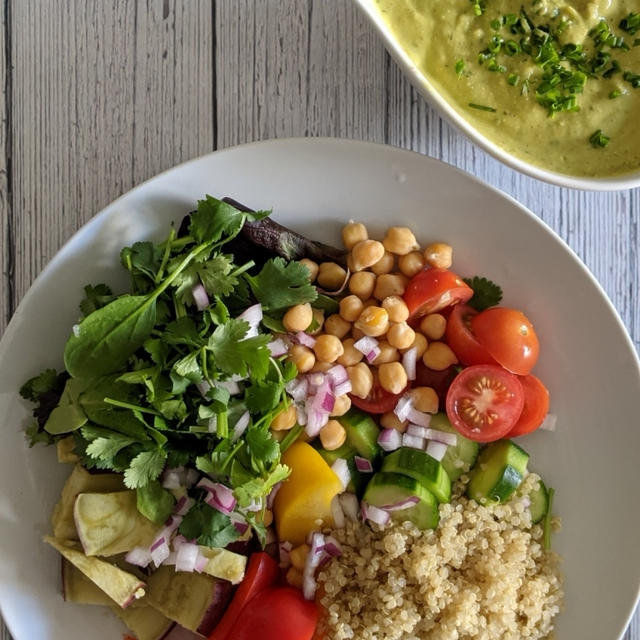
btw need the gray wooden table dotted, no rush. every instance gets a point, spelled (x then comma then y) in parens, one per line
(98, 96)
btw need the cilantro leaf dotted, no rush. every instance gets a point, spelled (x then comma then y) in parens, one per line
(257, 488)
(263, 397)
(208, 526)
(189, 367)
(213, 219)
(215, 275)
(45, 382)
(106, 448)
(182, 331)
(95, 297)
(154, 502)
(485, 293)
(142, 260)
(264, 450)
(235, 354)
(144, 468)
(280, 285)
(34, 434)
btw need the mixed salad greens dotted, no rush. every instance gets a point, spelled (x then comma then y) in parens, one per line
(215, 397)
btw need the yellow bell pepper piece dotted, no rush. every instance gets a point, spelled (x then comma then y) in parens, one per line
(303, 503)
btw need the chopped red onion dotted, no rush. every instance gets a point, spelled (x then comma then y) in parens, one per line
(172, 523)
(139, 556)
(373, 354)
(343, 388)
(403, 407)
(436, 449)
(415, 442)
(308, 585)
(390, 439)
(241, 426)
(332, 547)
(270, 537)
(76, 330)
(305, 339)
(363, 465)
(418, 417)
(350, 505)
(409, 360)
(374, 514)
(201, 562)
(337, 513)
(159, 551)
(200, 296)
(315, 421)
(441, 436)
(367, 346)
(416, 430)
(239, 523)
(253, 506)
(220, 497)
(177, 541)
(316, 379)
(284, 554)
(403, 504)
(316, 552)
(191, 477)
(341, 468)
(171, 559)
(278, 347)
(272, 495)
(337, 375)
(186, 557)
(297, 388)
(549, 423)
(203, 387)
(301, 416)
(230, 385)
(253, 317)
(183, 505)
(171, 479)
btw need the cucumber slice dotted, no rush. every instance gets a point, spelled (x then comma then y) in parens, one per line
(346, 451)
(362, 434)
(498, 472)
(423, 468)
(459, 459)
(538, 499)
(386, 489)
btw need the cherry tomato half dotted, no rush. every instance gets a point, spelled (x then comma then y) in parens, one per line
(462, 340)
(432, 290)
(536, 406)
(509, 337)
(484, 402)
(439, 381)
(378, 400)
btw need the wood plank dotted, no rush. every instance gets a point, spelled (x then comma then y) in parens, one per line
(6, 221)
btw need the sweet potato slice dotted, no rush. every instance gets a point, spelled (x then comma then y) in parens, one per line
(224, 564)
(146, 623)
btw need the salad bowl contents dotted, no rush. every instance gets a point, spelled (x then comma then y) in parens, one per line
(198, 454)
(257, 400)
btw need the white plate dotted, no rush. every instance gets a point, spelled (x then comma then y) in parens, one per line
(587, 358)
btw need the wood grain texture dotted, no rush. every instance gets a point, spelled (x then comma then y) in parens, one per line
(99, 96)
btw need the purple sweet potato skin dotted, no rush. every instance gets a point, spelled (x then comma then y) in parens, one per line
(180, 633)
(221, 596)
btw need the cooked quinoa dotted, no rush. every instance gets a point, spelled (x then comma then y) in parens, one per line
(482, 574)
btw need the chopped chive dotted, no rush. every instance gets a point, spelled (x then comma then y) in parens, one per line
(513, 79)
(511, 47)
(481, 107)
(495, 24)
(598, 139)
(636, 42)
(547, 520)
(633, 78)
(616, 93)
(631, 24)
(459, 67)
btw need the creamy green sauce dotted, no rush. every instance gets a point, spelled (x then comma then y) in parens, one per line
(441, 35)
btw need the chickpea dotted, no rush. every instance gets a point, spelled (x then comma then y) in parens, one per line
(433, 326)
(312, 267)
(425, 399)
(317, 322)
(362, 284)
(384, 265)
(373, 321)
(321, 367)
(370, 302)
(391, 421)
(393, 377)
(401, 335)
(331, 276)
(420, 343)
(389, 284)
(332, 435)
(411, 263)
(302, 357)
(396, 308)
(336, 326)
(365, 254)
(294, 578)
(298, 556)
(439, 255)
(361, 379)
(388, 353)
(341, 405)
(439, 356)
(350, 355)
(356, 334)
(352, 233)
(284, 420)
(350, 308)
(400, 240)
(298, 318)
(328, 348)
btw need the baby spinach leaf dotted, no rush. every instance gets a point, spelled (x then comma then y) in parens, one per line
(68, 415)
(154, 502)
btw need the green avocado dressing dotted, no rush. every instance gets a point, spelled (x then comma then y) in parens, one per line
(553, 82)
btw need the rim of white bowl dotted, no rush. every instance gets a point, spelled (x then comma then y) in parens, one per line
(620, 182)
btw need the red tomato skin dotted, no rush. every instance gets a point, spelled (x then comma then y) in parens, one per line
(432, 290)
(378, 401)
(536, 406)
(279, 613)
(439, 381)
(508, 411)
(509, 336)
(462, 340)
(262, 572)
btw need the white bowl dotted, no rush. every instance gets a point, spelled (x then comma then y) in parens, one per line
(587, 359)
(446, 110)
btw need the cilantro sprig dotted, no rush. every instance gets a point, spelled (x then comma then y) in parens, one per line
(485, 293)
